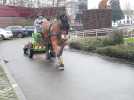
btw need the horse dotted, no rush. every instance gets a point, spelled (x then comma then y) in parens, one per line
(55, 34)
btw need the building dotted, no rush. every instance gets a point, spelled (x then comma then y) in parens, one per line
(127, 20)
(11, 15)
(97, 18)
(72, 10)
(75, 8)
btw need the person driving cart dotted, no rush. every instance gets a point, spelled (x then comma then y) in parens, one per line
(37, 24)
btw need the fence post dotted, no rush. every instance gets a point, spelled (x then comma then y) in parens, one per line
(96, 33)
(83, 34)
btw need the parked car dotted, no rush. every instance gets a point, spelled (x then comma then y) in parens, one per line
(0, 37)
(115, 24)
(29, 30)
(5, 34)
(18, 31)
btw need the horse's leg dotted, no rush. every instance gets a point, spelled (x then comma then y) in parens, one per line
(62, 47)
(46, 43)
(56, 49)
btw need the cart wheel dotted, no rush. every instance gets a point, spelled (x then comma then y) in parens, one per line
(20, 35)
(48, 56)
(52, 54)
(30, 53)
(2, 37)
(25, 51)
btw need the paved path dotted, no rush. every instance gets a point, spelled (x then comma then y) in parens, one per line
(86, 77)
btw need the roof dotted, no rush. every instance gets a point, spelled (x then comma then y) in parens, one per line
(14, 11)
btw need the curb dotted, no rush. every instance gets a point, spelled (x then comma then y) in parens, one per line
(13, 83)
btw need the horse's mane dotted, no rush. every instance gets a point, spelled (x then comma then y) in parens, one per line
(64, 22)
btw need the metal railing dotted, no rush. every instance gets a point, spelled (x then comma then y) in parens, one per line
(127, 31)
(92, 32)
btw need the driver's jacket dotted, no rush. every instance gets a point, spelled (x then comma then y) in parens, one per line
(37, 25)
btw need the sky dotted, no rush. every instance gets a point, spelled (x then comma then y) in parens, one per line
(94, 4)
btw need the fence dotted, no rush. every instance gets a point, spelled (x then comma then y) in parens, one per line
(126, 31)
(92, 32)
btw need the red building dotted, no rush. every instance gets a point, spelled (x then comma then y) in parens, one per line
(10, 15)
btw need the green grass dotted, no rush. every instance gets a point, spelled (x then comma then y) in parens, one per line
(129, 40)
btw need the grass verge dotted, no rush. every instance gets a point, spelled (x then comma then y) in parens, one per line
(104, 47)
(6, 90)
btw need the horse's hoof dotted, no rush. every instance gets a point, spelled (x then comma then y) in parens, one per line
(61, 67)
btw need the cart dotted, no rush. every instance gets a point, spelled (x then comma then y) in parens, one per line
(36, 46)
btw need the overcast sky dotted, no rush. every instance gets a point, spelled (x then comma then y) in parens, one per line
(94, 3)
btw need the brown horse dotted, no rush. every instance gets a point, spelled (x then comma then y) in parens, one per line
(55, 35)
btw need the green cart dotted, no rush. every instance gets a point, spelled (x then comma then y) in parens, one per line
(36, 46)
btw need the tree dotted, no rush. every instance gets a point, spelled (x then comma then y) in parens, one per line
(4, 2)
(12, 2)
(117, 13)
(128, 10)
(30, 3)
(39, 4)
(22, 3)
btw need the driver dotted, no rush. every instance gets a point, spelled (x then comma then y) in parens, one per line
(37, 24)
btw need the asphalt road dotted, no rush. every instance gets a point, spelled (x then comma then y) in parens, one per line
(86, 76)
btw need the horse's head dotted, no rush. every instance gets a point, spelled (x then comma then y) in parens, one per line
(64, 25)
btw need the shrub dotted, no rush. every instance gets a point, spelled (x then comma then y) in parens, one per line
(87, 44)
(104, 47)
(116, 37)
(118, 51)
(107, 42)
(75, 45)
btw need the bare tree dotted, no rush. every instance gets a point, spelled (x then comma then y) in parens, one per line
(128, 8)
(12, 2)
(39, 4)
(3, 2)
(33, 3)
(22, 3)
(30, 3)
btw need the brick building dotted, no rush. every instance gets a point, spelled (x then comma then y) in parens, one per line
(11, 15)
(97, 18)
